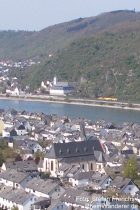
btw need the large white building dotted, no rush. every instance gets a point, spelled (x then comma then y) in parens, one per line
(61, 88)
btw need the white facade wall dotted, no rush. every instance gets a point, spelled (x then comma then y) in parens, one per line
(106, 183)
(26, 156)
(8, 125)
(57, 92)
(7, 183)
(14, 184)
(15, 92)
(3, 168)
(37, 147)
(9, 204)
(5, 133)
(60, 92)
(116, 143)
(74, 182)
(36, 193)
(28, 126)
(98, 167)
(10, 144)
(47, 166)
(131, 189)
(86, 166)
(113, 164)
(21, 132)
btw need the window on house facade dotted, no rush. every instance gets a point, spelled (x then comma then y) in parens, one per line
(68, 150)
(91, 166)
(46, 164)
(85, 149)
(52, 166)
(77, 149)
(99, 166)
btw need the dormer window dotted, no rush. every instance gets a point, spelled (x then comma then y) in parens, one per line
(77, 150)
(85, 149)
(68, 150)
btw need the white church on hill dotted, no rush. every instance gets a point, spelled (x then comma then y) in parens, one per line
(61, 88)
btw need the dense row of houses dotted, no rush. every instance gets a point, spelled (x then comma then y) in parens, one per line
(10, 86)
(81, 163)
(53, 88)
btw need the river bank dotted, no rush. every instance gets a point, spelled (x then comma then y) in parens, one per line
(66, 100)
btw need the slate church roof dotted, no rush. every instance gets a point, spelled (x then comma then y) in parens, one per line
(82, 149)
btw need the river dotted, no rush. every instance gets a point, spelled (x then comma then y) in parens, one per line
(74, 111)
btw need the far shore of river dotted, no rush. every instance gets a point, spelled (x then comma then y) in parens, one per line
(83, 102)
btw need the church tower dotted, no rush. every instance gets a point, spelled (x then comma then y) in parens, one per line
(55, 80)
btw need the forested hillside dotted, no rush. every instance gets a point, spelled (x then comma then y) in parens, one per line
(20, 45)
(105, 65)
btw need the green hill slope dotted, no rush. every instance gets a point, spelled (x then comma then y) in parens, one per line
(107, 64)
(21, 45)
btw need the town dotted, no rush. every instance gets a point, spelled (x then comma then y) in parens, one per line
(10, 86)
(70, 105)
(52, 162)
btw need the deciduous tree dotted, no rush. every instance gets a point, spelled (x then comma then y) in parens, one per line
(131, 168)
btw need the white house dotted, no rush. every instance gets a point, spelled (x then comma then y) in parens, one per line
(15, 179)
(14, 91)
(45, 85)
(95, 180)
(6, 133)
(10, 198)
(21, 130)
(44, 188)
(125, 185)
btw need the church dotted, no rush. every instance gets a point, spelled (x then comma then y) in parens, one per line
(61, 88)
(88, 154)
